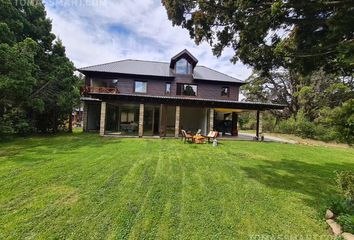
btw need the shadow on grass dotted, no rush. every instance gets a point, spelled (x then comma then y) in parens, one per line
(42, 148)
(315, 181)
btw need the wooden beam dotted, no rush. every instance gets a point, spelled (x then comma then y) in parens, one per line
(234, 129)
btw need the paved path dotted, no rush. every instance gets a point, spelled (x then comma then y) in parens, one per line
(249, 137)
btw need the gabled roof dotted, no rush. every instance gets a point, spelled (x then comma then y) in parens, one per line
(184, 54)
(160, 69)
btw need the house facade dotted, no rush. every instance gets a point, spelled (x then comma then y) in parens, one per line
(147, 98)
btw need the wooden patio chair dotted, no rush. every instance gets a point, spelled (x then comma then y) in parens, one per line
(186, 136)
(212, 135)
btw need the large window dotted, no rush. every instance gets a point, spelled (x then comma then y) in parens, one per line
(140, 87)
(187, 89)
(225, 91)
(183, 67)
(168, 88)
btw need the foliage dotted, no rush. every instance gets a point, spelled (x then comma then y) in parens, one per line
(302, 53)
(37, 87)
(343, 206)
(345, 181)
(346, 222)
(74, 186)
(342, 119)
(298, 35)
(318, 106)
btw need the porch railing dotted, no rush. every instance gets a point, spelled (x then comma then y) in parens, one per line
(109, 90)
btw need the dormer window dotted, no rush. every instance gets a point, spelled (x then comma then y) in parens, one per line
(183, 67)
(183, 63)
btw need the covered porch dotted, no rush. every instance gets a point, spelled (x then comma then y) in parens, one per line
(152, 116)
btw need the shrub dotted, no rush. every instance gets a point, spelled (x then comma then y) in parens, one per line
(345, 183)
(305, 128)
(286, 126)
(325, 133)
(341, 206)
(343, 120)
(347, 222)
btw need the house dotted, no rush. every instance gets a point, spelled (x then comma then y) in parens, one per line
(147, 98)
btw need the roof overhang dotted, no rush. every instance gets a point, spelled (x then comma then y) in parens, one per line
(188, 101)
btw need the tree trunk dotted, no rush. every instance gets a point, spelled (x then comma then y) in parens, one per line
(70, 123)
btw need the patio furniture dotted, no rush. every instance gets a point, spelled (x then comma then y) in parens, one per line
(186, 136)
(212, 135)
(198, 139)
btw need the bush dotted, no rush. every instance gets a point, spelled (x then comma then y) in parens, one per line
(305, 128)
(345, 183)
(325, 133)
(341, 206)
(343, 120)
(347, 222)
(286, 126)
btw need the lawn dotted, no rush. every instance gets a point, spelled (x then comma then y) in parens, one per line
(82, 186)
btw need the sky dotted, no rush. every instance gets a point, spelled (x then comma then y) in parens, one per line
(101, 31)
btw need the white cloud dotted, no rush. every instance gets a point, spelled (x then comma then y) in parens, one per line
(101, 31)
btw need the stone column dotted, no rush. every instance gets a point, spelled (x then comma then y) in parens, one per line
(85, 118)
(103, 118)
(178, 113)
(141, 120)
(211, 119)
(259, 125)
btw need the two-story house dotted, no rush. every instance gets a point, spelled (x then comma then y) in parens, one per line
(147, 98)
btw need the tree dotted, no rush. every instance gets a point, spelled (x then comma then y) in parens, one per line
(298, 35)
(277, 87)
(37, 84)
(343, 120)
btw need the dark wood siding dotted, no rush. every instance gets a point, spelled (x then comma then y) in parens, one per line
(156, 87)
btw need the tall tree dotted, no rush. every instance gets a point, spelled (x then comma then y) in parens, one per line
(294, 34)
(276, 87)
(38, 87)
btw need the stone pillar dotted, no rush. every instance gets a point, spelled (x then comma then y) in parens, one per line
(259, 126)
(178, 113)
(103, 118)
(85, 117)
(211, 119)
(141, 120)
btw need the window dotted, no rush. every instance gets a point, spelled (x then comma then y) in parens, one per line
(140, 87)
(183, 67)
(187, 89)
(225, 91)
(168, 89)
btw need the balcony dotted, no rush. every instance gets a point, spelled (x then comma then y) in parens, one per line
(105, 90)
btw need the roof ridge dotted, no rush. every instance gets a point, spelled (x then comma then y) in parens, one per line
(220, 72)
(140, 60)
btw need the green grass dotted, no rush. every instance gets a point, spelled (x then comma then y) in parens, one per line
(82, 186)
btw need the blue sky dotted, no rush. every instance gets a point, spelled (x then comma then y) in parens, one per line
(99, 31)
